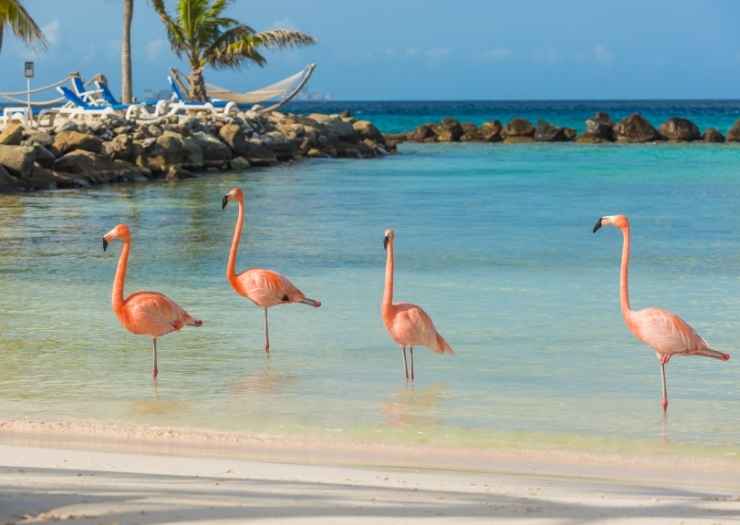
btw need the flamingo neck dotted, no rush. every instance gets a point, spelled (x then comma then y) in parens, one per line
(624, 295)
(120, 278)
(389, 270)
(231, 264)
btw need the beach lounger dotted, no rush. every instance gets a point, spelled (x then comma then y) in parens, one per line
(180, 102)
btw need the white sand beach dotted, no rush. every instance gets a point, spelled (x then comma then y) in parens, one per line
(148, 481)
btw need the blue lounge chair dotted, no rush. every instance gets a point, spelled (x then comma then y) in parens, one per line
(180, 101)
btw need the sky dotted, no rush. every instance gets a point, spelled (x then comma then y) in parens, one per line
(426, 49)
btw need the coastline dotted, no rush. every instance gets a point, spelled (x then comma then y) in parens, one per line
(221, 477)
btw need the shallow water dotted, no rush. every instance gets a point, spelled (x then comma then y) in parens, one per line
(494, 241)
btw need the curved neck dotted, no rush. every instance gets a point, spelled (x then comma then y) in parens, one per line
(120, 278)
(388, 291)
(624, 295)
(231, 264)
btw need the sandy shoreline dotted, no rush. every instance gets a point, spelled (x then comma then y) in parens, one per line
(104, 473)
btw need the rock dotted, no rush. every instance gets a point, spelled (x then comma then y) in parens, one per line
(194, 159)
(18, 159)
(41, 138)
(599, 128)
(233, 136)
(315, 153)
(424, 133)
(471, 133)
(367, 130)
(175, 173)
(42, 178)
(67, 141)
(44, 157)
(569, 134)
(393, 139)
(546, 132)
(12, 135)
(169, 150)
(285, 149)
(713, 135)
(240, 164)
(678, 129)
(449, 130)
(518, 130)
(98, 169)
(733, 135)
(153, 131)
(121, 147)
(635, 129)
(215, 152)
(491, 131)
(258, 154)
(9, 183)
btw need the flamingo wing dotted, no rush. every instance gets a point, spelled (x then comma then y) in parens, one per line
(412, 326)
(266, 287)
(666, 332)
(153, 313)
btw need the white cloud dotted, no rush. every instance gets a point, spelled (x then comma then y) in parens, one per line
(153, 49)
(496, 55)
(602, 54)
(52, 32)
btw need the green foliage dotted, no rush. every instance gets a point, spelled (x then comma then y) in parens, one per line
(14, 15)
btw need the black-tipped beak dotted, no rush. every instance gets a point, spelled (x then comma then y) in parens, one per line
(598, 224)
(105, 244)
(224, 201)
(385, 243)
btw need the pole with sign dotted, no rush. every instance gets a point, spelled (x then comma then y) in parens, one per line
(28, 73)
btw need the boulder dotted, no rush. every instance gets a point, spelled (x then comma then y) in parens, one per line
(491, 131)
(285, 149)
(678, 129)
(42, 138)
(546, 132)
(713, 135)
(194, 158)
(449, 130)
(67, 141)
(315, 153)
(215, 152)
(18, 159)
(121, 147)
(43, 156)
(471, 133)
(12, 135)
(99, 169)
(518, 130)
(424, 133)
(393, 139)
(233, 136)
(599, 128)
(175, 173)
(239, 164)
(258, 153)
(733, 135)
(9, 183)
(42, 179)
(635, 129)
(367, 130)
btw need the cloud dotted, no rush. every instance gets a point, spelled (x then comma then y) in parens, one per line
(52, 32)
(602, 55)
(496, 55)
(153, 49)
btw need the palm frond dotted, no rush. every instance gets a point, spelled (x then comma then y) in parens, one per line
(15, 15)
(282, 38)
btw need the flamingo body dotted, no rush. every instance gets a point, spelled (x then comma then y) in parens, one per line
(143, 313)
(265, 288)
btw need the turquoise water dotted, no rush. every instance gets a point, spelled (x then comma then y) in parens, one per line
(494, 241)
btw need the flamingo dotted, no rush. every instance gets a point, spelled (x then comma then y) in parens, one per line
(663, 331)
(265, 288)
(143, 313)
(407, 324)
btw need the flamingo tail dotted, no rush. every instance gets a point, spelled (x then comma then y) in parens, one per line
(442, 346)
(714, 354)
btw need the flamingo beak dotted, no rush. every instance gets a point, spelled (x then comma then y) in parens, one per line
(105, 244)
(385, 243)
(598, 224)
(224, 201)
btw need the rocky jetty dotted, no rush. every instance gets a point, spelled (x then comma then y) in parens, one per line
(74, 155)
(633, 129)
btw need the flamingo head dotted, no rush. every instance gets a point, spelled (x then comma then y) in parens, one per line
(120, 232)
(389, 236)
(618, 221)
(234, 194)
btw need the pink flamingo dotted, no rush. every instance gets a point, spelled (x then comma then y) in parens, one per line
(264, 288)
(660, 329)
(407, 324)
(143, 313)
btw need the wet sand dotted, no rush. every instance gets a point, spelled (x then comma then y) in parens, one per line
(115, 474)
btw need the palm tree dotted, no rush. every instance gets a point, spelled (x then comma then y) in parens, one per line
(202, 34)
(13, 14)
(126, 81)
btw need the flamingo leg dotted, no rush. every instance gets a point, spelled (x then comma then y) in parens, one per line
(405, 363)
(412, 363)
(267, 334)
(664, 401)
(155, 370)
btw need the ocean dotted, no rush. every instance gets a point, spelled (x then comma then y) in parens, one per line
(494, 241)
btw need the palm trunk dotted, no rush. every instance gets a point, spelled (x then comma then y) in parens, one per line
(197, 85)
(126, 80)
